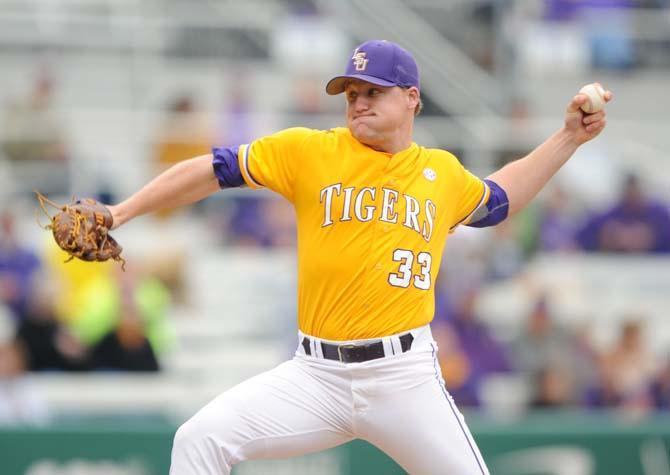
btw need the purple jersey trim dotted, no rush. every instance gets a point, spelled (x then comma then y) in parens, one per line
(497, 207)
(227, 167)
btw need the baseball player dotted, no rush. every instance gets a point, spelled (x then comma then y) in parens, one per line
(374, 210)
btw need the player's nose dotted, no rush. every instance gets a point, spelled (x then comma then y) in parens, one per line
(360, 104)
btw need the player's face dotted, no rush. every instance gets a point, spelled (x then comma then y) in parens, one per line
(376, 113)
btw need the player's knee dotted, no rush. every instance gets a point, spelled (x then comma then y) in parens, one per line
(196, 446)
(193, 433)
(185, 435)
(186, 441)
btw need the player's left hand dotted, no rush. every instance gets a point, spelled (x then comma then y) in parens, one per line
(585, 126)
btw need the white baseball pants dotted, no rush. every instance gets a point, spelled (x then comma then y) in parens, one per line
(397, 403)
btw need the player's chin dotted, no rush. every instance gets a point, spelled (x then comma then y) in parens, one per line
(363, 132)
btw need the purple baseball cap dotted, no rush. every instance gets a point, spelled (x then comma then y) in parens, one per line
(380, 62)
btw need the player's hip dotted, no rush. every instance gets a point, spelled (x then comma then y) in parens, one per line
(375, 367)
(370, 351)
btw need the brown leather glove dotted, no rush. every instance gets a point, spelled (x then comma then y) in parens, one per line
(81, 229)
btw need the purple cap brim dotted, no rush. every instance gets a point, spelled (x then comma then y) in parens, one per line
(336, 85)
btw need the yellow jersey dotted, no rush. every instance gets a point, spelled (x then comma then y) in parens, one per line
(372, 226)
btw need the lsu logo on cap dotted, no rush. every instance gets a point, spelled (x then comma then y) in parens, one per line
(359, 60)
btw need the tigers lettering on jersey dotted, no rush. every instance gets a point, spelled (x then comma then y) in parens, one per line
(371, 226)
(414, 212)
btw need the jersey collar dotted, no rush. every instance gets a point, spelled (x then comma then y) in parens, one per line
(401, 162)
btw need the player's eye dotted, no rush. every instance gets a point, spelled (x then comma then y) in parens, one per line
(351, 96)
(374, 92)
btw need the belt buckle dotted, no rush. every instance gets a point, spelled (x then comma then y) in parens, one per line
(339, 350)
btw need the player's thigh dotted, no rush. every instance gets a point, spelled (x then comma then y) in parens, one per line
(423, 431)
(281, 413)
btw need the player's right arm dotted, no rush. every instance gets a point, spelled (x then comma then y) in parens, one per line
(184, 183)
(267, 162)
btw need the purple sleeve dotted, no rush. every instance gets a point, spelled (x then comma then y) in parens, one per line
(496, 209)
(226, 167)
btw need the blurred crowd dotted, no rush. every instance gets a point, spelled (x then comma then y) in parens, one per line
(80, 317)
(75, 317)
(568, 35)
(560, 366)
(94, 317)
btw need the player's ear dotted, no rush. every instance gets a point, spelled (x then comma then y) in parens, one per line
(413, 98)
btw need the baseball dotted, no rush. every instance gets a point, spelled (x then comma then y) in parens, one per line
(596, 95)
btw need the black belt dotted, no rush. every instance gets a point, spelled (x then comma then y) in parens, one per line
(350, 353)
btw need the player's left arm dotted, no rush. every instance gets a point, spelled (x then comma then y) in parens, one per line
(521, 180)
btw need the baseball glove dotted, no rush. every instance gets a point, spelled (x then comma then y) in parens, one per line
(81, 229)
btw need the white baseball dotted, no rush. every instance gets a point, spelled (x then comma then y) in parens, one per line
(596, 95)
